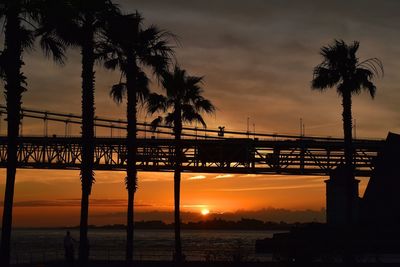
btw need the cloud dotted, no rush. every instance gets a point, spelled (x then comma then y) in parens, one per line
(294, 178)
(257, 59)
(224, 176)
(265, 188)
(197, 177)
(194, 206)
(249, 175)
(75, 203)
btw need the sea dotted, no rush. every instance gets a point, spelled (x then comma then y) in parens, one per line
(42, 245)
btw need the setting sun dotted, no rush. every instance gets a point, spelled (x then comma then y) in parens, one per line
(205, 212)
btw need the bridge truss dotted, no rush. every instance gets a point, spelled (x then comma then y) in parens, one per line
(300, 156)
(204, 150)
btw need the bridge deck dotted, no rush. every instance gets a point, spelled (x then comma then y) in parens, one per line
(292, 156)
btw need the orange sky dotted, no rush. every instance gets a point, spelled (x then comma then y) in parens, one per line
(48, 198)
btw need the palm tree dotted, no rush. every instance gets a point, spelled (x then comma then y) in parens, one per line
(341, 68)
(23, 22)
(184, 103)
(80, 26)
(130, 48)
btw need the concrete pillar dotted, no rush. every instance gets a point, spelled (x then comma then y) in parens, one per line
(337, 194)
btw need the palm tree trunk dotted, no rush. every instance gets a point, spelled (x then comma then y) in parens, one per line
(131, 181)
(348, 155)
(83, 238)
(347, 128)
(177, 183)
(130, 226)
(177, 214)
(87, 139)
(13, 92)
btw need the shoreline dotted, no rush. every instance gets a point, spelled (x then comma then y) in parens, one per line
(250, 225)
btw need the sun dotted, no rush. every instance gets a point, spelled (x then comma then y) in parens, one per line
(204, 212)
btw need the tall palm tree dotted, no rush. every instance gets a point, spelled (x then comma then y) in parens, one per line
(22, 20)
(130, 47)
(80, 26)
(183, 103)
(341, 68)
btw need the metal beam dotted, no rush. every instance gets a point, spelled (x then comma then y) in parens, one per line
(292, 156)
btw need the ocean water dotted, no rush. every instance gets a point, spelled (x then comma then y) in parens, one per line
(40, 245)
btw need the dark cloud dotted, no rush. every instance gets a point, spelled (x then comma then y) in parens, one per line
(257, 58)
(74, 203)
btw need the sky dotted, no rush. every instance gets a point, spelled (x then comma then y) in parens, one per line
(257, 59)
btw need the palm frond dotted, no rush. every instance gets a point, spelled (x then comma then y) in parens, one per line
(353, 48)
(2, 65)
(155, 49)
(362, 80)
(27, 38)
(373, 64)
(130, 47)
(189, 115)
(53, 46)
(112, 63)
(169, 119)
(184, 95)
(193, 81)
(158, 63)
(142, 86)
(155, 103)
(324, 78)
(341, 68)
(156, 123)
(118, 92)
(204, 105)
(3, 9)
(193, 117)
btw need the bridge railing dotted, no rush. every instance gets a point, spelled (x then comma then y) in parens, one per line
(163, 131)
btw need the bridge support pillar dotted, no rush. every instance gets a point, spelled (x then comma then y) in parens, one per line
(339, 188)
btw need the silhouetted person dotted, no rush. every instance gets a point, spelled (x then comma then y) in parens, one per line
(221, 131)
(69, 248)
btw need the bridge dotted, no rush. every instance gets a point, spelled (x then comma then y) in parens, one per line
(204, 150)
